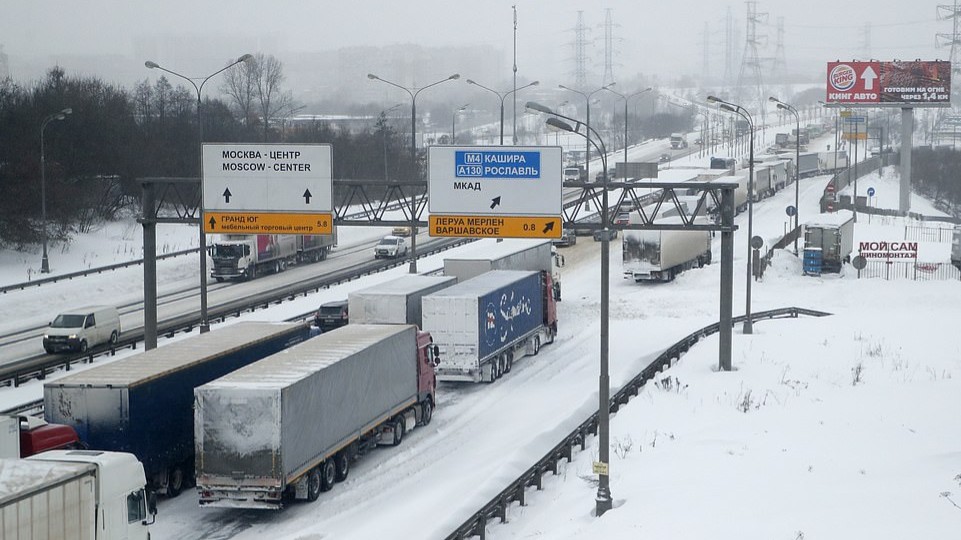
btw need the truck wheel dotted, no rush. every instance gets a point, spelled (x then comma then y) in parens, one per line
(175, 481)
(398, 431)
(313, 484)
(490, 372)
(219, 279)
(426, 412)
(328, 475)
(342, 463)
(509, 363)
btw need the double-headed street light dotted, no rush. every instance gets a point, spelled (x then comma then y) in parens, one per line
(587, 134)
(204, 323)
(626, 98)
(797, 165)
(742, 112)
(603, 499)
(413, 155)
(502, 96)
(45, 262)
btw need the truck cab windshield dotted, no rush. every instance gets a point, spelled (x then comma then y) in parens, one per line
(229, 251)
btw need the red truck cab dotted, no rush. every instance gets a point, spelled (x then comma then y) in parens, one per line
(428, 356)
(36, 436)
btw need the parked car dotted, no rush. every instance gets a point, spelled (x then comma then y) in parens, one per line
(568, 238)
(400, 231)
(331, 315)
(82, 328)
(390, 247)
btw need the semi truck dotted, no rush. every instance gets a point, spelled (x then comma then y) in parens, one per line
(246, 256)
(653, 255)
(24, 436)
(511, 254)
(75, 495)
(289, 426)
(829, 164)
(763, 184)
(833, 234)
(396, 301)
(143, 404)
(484, 324)
(678, 140)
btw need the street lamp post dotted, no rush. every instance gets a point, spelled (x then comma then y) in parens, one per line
(45, 262)
(204, 323)
(742, 112)
(587, 133)
(413, 155)
(502, 96)
(626, 99)
(797, 166)
(603, 499)
(453, 118)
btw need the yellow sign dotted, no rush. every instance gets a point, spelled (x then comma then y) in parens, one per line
(852, 135)
(601, 468)
(267, 223)
(845, 114)
(494, 226)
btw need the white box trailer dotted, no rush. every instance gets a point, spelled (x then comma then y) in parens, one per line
(655, 255)
(833, 234)
(511, 254)
(740, 192)
(288, 426)
(74, 495)
(396, 301)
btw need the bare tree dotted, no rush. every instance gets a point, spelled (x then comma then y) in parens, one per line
(272, 100)
(240, 86)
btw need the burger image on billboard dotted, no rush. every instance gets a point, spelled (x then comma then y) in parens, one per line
(842, 77)
(916, 82)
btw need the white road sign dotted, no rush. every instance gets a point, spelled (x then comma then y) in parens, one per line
(267, 177)
(495, 180)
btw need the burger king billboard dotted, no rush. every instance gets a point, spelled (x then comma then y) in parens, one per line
(918, 83)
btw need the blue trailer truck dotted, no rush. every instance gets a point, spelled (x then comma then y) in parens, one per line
(144, 404)
(482, 325)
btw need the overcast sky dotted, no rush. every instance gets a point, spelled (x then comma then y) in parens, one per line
(661, 38)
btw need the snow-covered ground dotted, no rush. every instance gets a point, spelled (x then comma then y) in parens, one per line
(838, 427)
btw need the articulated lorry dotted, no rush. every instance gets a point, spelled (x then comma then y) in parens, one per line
(246, 256)
(75, 495)
(833, 235)
(678, 140)
(833, 162)
(143, 404)
(512, 254)
(809, 164)
(484, 324)
(653, 255)
(289, 426)
(397, 301)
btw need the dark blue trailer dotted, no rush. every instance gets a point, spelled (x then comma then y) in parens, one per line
(485, 323)
(143, 404)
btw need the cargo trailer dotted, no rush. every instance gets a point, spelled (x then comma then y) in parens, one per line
(396, 301)
(143, 404)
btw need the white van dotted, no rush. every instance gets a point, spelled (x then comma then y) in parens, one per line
(80, 329)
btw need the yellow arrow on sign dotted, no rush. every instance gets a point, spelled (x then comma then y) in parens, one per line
(216, 222)
(494, 226)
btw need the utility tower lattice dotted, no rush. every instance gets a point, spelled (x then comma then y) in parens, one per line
(608, 48)
(705, 52)
(948, 119)
(752, 98)
(779, 67)
(580, 52)
(730, 48)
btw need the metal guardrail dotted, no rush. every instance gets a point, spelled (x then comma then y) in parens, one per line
(99, 270)
(38, 367)
(515, 491)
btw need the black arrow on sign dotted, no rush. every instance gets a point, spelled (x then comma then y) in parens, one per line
(227, 195)
(307, 195)
(495, 201)
(213, 223)
(548, 227)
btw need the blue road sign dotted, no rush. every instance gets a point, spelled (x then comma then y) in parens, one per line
(870, 192)
(791, 210)
(497, 164)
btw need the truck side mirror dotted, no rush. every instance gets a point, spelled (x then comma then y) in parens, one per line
(152, 502)
(436, 351)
